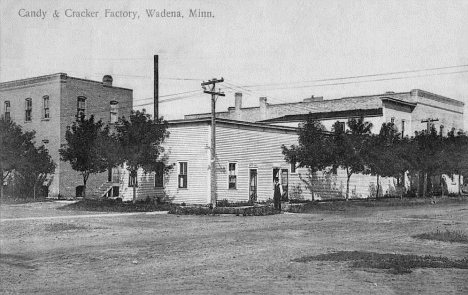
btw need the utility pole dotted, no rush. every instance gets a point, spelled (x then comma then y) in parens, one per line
(156, 87)
(429, 123)
(214, 95)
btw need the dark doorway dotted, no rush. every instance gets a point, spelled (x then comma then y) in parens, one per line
(252, 185)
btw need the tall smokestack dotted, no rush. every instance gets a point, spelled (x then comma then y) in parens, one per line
(156, 87)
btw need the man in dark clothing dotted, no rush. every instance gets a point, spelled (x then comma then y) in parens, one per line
(278, 192)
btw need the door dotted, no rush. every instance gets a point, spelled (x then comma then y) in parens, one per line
(282, 176)
(252, 185)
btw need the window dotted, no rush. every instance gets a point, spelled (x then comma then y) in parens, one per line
(341, 126)
(114, 112)
(183, 174)
(402, 128)
(7, 111)
(80, 107)
(293, 166)
(133, 181)
(28, 109)
(45, 100)
(159, 175)
(232, 178)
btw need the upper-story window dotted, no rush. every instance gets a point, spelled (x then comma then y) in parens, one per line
(6, 112)
(114, 111)
(80, 107)
(28, 109)
(45, 106)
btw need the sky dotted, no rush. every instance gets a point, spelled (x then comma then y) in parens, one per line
(283, 50)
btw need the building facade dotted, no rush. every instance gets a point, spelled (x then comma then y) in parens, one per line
(49, 104)
(409, 111)
(248, 157)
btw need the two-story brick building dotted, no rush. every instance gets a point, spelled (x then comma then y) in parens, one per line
(48, 104)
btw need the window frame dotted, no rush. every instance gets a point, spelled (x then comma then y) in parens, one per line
(181, 175)
(45, 107)
(130, 179)
(114, 110)
(28, 109)
(7, 110)
(293, 167)
(159, 175)
(81, 108)
(234, 176)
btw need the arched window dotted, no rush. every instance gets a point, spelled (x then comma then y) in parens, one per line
(45, 112)
(6, 111)
(80, 107)
(28, 109)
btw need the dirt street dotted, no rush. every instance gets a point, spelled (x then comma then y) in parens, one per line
(167, 254)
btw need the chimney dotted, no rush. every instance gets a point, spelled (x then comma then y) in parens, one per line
(313, 98)
(263, 108)
(238, 96)
(107, 80)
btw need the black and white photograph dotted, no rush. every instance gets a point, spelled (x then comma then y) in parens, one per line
(233, 147)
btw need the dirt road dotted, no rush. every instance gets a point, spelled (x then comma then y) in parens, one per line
(167, 254)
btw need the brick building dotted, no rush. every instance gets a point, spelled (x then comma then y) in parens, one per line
(48, 104)
(408, 110)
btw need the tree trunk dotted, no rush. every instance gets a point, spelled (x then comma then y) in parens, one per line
(378, 186)
(1, 184)
(459, 185)
(424, 188)
(134, 189)
(347, 184)
(84, 189)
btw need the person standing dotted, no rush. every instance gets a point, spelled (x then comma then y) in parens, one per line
(278, 192)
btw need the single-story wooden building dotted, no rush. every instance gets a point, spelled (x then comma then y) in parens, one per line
(248, 157)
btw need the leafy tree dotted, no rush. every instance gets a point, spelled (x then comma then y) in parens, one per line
(37, 165)
(455, 154)
(140, 140)
(428, 157)
(313, 150)
(12, 148)
(90, 148)
(19, 155)
(350, 149)
(386, 156)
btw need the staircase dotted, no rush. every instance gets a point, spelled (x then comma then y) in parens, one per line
(104, 190)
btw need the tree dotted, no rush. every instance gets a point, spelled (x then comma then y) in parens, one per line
(37, 165)
(312, 151)
(386, 156)
(19, 155)
(350, 149)
(140, 140)
(429, 156)
(12, 148)
(90, 148)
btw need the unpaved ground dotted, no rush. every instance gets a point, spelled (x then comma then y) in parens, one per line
(167, 254)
